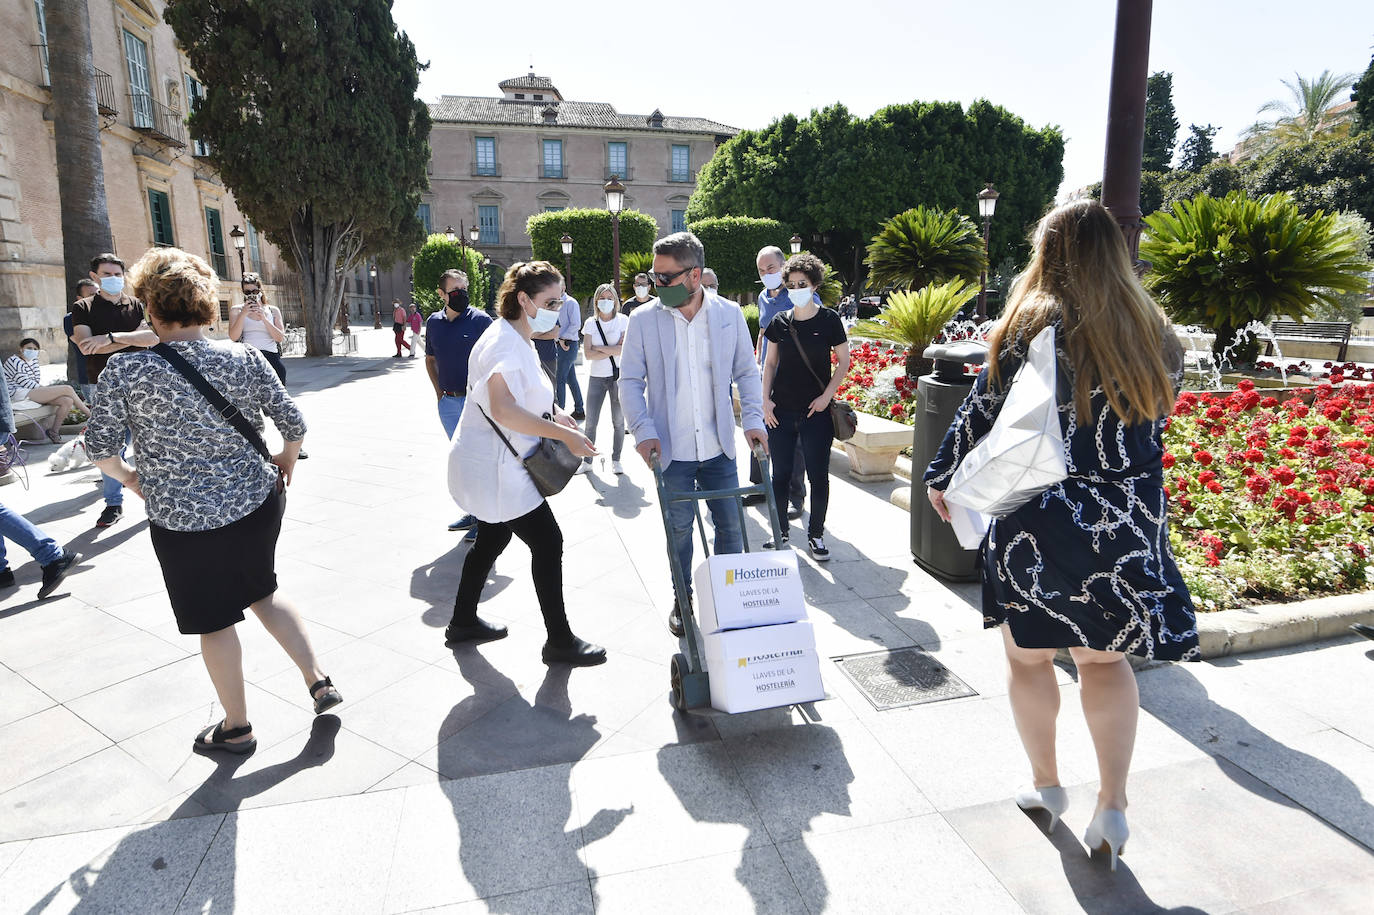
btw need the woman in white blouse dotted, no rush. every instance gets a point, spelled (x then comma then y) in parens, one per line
(602, 335)
(25, 382)
(508, 389)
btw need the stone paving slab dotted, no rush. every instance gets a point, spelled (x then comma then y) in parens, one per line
(478, 779)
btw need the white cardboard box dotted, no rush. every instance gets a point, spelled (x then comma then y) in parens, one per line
(763, 667)
(740, 590)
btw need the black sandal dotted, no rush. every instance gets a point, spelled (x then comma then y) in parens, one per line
(220, 739)
(329, 699)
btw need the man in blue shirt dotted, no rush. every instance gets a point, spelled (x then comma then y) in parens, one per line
(773, 301)
(450, 335)
(569, 336)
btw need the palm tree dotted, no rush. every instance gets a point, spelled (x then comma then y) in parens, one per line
(925, 245)
(1300, 116)
(76, 128)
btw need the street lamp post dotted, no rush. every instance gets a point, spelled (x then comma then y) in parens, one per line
(566, 242)
(376, 305)
(240, 241)
(615, 202)
(795, 244)
(987, 203)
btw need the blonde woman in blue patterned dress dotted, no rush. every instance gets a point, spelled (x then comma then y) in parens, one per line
(1086, 565)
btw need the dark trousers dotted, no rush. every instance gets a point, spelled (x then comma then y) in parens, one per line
(539, 531)
(274, 360)
(796, 489)
(811, 436)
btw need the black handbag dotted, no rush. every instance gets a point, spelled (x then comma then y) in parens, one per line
(550, 465)
(223, 407)
(842, 415)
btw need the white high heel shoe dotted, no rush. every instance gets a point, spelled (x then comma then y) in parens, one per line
(1053, 799)
(1107, 833)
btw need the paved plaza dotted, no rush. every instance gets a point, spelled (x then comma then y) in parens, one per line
(479, 779)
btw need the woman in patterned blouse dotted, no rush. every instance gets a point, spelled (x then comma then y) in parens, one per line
(214, 502)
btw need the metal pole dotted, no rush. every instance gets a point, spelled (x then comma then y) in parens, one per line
(241, 266)
(615, 249)
(1126, 118)
(983, 279)
(567, 272)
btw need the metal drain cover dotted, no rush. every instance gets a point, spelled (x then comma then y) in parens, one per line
(901, 677)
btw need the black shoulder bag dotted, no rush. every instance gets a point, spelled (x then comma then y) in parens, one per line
(615, 369)
(551, 465)
(842, 415)
(222, 406)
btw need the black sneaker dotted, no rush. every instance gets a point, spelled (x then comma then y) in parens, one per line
(301, 455)
(6, 577)
(755, 498)
(55, 571)
(770, 545)
(110, 516)
(818, 549)
(794, 513)
(578, 415)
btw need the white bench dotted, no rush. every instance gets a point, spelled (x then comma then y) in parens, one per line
(874, 448)
(30, 413)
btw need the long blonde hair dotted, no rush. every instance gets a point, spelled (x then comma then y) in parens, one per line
(1114, 333)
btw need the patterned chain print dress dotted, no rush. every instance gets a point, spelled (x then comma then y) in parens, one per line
(1086, 563)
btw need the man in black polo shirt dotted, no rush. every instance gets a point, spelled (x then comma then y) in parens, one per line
(450, 335)
(641, 296)
(104, 324)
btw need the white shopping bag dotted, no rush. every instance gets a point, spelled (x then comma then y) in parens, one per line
(970, 527)
(1023, 454)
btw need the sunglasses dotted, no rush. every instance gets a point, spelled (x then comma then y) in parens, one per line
(666, 279)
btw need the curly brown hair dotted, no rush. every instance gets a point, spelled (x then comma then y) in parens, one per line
(177, 287)
(529, 277)
(809, 266)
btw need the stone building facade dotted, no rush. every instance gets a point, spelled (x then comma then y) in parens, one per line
(496, 161)
(158, 184)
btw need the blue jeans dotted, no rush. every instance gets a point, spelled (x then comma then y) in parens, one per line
(565, 376)
(450, 411)
(14, 526)
(687, 476)
(110, 488)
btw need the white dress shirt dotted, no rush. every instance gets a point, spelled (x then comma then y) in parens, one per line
(693, 421)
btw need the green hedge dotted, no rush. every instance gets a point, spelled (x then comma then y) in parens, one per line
(751, 317)
(590, 230)
(439, 254)
(732, 248)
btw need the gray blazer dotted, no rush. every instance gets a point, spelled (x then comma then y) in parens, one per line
(648, 373)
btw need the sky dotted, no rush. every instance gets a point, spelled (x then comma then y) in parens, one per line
(746, 64)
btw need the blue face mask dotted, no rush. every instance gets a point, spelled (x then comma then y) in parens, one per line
(112, 285)
(543, 321)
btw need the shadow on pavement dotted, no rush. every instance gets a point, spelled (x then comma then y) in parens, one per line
(1099, 890)
(329, 372)
(436, 583)
(107, 888)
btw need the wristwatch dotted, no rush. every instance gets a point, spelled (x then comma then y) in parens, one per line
(111, 336)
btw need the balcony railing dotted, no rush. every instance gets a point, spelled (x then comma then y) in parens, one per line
(489, 236)
(106, 102)
(624, 174)
(486, 171)
(680, 176)
(154, 119)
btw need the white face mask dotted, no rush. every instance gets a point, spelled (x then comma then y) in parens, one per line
(799, 297)
(772, 281)
(543, 321)
(642, 291)
(605, 306)
(112, 285)
(31, 354)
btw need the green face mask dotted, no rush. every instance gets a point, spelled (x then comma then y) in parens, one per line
(674, 296)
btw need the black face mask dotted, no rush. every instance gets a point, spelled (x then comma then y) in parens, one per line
(458, 299)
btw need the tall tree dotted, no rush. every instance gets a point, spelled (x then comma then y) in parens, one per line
(1300, 115)
(312, 120)
(1197, 150)
(76, 130)
(834, 178)
(1161, 123)
(1363, 97)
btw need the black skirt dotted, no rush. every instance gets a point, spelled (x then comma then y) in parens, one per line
(212, 576)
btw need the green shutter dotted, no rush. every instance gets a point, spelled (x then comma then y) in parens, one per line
(214, 229)
(159, 207)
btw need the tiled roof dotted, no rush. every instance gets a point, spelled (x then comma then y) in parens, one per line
(529, 81)
(471, 109)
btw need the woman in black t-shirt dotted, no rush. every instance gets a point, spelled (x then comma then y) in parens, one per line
(797, 390)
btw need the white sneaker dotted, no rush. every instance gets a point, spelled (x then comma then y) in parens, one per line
(617, 467)
(584, 467)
